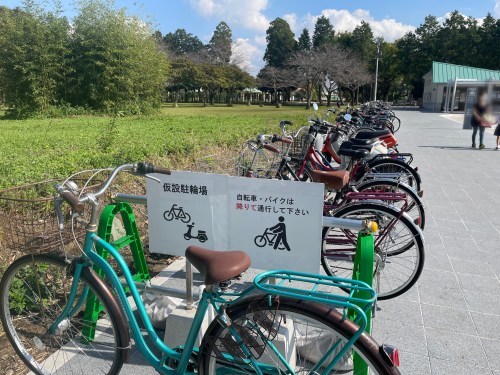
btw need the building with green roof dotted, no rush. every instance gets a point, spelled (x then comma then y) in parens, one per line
(445, 86)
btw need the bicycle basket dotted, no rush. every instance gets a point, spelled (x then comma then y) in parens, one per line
(258, 162)
(28, 221)
(300, 145)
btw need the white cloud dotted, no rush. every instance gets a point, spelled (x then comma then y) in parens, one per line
(496, 10)
(248, 14)
(260, 40)
(344, 20)
(247, 55)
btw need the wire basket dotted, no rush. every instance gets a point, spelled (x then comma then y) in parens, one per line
(28, 221)
(258, 162)
(300, 145)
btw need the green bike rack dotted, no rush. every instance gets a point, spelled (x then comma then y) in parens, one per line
(363, 271)
(132, 238)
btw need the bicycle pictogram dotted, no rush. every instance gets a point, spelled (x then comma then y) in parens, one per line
(177, 213)
(274, 236)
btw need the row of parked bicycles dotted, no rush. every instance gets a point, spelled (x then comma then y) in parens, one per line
(355, 154)
(283, 322)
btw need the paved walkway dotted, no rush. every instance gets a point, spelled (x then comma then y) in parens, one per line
(450, 322)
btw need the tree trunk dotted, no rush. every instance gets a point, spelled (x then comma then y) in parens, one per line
(309, 94)
(320, 92)
(328, 98)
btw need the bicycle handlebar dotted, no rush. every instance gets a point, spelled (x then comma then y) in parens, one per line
(145, 168)
(77, 203)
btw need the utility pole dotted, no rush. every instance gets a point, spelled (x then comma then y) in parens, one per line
(376, 71)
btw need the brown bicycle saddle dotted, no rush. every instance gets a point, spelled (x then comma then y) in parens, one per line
(332, 179)
(217, 266)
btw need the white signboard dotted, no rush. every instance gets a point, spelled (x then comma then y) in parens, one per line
(278, 223)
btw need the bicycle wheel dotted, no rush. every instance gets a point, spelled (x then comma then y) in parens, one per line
(402, 172)
(186, 217)
(415, 205)
(305, 332)
(33, 293)
(260, 241)
(168, 215)
(399, 248)
(396, 122)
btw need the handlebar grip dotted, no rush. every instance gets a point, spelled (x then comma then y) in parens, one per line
(286, 122)
(145, 168)
(73, 201)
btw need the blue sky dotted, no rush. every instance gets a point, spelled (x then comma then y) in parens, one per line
(249, 19)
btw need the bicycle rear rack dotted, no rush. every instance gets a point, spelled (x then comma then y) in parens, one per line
(318, 288)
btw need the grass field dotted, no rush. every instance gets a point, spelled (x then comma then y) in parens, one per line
(35, 149)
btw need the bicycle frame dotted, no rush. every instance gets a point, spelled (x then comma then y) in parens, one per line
(213, 295)
(209, 297)
(371, 196)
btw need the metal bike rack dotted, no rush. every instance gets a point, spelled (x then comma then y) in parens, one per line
(358, 225)
(188, 295)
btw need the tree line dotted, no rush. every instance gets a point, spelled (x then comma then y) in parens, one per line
(344, 62)
(104, 60)
(203, 73)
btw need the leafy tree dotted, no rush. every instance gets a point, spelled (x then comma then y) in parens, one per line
(213, 81)
(280, 43)
(219, 46)
(180, 42)
(115, 59)
(304, 42)
(344, 39)
(33, 48)
(488, 50)
(388, 69)
(323, 32)
(452, 37)
(362, 41)
(236, 80)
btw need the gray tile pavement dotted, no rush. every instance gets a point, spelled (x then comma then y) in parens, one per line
(453, 327)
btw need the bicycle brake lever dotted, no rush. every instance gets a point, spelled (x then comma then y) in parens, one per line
(152, 178)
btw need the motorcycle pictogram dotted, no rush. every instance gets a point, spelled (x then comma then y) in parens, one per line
(201, 236)
(177, 213)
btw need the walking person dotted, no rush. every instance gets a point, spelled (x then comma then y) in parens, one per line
(479, 111)
(497, 133)
(280, 231)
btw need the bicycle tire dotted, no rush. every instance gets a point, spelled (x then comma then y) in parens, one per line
(187, 218)
(394, 164)
(298, 310)
(395, 118)
(259, 242)
(399, 266)
(38, 348)
(415, 203)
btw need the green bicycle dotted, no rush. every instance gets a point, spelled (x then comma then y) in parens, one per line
(284, 323)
